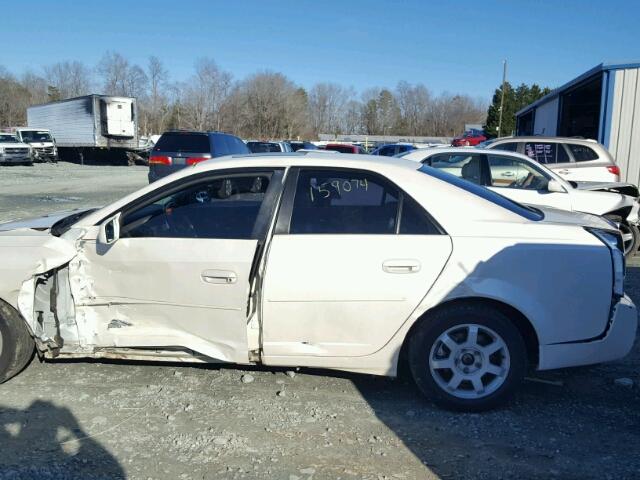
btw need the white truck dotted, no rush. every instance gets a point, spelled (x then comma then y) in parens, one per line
(42, 143)
(92, 128)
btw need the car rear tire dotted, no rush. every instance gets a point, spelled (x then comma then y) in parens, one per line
(467, 357)
(16, 344)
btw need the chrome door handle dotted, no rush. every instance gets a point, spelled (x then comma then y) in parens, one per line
(508, 174)
(401, 266)
(564, 171)
(219, 276)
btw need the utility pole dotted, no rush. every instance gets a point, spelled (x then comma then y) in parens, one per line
(504, 80)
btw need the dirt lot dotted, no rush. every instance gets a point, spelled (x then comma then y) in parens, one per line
(123, 420)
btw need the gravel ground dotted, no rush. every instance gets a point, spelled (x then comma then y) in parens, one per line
(99, 420)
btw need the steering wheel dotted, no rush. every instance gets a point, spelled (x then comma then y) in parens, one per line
(176, 223)
(521, 182)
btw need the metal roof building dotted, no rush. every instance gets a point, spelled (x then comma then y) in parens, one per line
(602, 103)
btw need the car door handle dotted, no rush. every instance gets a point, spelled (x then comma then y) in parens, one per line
(508, 174)
(219, 276)
(564, 171)
(401, 266)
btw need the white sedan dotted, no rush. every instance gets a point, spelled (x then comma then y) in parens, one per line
(347, 262)
(521, 179)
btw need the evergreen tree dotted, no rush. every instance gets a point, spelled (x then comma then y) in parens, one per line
(514, 100)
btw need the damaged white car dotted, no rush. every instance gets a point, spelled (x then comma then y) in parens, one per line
(345, 262)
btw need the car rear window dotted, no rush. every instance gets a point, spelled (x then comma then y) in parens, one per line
(183, 142)
(582, 153)
(340, 148)
(527, 212)
(263, 147)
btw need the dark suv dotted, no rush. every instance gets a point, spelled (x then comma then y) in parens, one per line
(178, 149)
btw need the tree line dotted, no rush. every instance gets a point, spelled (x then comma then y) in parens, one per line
(265, 104)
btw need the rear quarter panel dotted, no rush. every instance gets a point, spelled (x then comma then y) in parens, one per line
(562, 287)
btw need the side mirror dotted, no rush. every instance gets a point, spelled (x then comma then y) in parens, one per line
(555, 186)
(110, 230)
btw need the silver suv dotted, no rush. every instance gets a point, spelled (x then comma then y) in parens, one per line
(574, 159)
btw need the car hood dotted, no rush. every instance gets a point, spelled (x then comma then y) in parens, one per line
(618, 187)
(43, 222)
(13, 145)
(599, 203)
(555, 215)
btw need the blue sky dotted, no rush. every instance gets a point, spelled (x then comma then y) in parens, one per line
(453, 46)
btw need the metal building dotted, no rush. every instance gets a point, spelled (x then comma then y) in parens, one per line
(602, 103)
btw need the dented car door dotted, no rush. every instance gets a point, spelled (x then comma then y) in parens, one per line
(176, 273)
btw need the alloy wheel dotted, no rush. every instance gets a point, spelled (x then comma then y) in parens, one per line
(469, 361)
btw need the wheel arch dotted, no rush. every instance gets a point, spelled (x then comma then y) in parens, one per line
(522, 323)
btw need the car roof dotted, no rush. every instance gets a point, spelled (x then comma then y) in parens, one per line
(427, 152)
(526, 138)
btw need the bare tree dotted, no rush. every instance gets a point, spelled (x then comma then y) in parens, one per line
(114, 70)
(269, 105)
(37, 87)
(327, 102)
(205, 95)
(14, 100)
(157, 108)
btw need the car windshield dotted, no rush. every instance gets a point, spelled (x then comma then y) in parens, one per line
(8, 139)
(35, 136)
(527, 212)
(62, 225)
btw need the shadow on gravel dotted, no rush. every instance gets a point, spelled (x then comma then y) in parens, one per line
(45, 441)
(571, 423)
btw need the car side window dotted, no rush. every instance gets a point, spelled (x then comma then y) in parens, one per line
(343, 202)
(514, 173)
(582, 153)
(509, 146)
(355, 202)
(467, 166)
(221, 207)
(546, 153)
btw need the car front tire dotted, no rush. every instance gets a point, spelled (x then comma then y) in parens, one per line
(467, 357)
(16, 344)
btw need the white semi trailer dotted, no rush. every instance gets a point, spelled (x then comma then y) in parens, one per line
(90, 129)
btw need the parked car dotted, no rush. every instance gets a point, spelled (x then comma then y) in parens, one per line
(393, 149)
(344, 148)
(521, 179)
(298, 145)
(574, 159)
(175, 150)
(367, 261)
(14, 152)
(43, 145)
(469, 138)
(265, 147)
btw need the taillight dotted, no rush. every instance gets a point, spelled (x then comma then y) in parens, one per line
(194, 160)
(160, 160)
(615, 169)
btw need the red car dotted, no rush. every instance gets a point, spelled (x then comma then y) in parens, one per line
(470, 138)
(344, 148)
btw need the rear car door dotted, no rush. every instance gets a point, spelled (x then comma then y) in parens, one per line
(179, 274)
(351, 258)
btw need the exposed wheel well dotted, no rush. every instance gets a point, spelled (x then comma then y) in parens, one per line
(521, 322)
